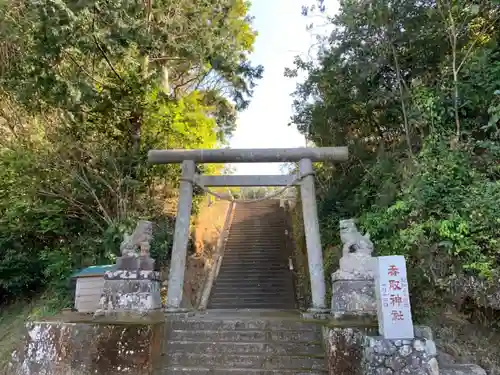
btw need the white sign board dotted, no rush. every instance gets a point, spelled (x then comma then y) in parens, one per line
(393, 298)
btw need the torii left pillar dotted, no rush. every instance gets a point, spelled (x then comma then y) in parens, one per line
(181, 237)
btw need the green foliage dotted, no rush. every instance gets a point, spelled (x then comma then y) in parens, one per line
(445, 216)
(86, 89)
(415, 97)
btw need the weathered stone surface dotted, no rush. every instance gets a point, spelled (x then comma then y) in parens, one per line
(415, 360)
(139, 239)
(385, 347)
(384, 371)
(135, 262)
(433, 366)
(130, 295)
(396, 363)
(383, 356)
(53, 348)
(135, 274)
(344, 351)
(430, 347)
(462, 370)
(418, 345)
(405, 350)
(445, 358)
(423, 332)
(353, 297)
(357, 261)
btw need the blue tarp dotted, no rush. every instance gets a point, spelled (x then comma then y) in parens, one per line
(93, 271)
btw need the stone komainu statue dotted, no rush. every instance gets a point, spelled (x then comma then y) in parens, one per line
(353, 241)
(138, 243)
(356, 260)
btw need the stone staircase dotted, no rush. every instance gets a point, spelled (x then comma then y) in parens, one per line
(255, 271)
(228, 342)
(251, 325)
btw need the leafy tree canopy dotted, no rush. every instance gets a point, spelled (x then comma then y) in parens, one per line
(413, 89)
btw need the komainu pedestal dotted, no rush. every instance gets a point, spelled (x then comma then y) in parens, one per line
(131, 291)
(133, 287)
(353, 291)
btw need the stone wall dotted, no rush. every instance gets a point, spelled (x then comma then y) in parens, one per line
(296, 241)
(54, 348)
(357, 351)
(206, 231)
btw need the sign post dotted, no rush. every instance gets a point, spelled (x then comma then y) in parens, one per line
(393, 299)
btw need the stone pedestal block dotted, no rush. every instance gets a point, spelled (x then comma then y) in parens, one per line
(133, 263)
(89, 348)
(353, 298)
(131, 292)
(356, 351)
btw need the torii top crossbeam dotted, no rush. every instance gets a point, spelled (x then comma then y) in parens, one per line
(250, 155)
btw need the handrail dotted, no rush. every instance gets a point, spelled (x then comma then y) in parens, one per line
(219, 253)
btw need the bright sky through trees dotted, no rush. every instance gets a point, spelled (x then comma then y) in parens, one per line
(282, 35)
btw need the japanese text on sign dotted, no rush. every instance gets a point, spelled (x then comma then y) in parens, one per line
(393, 302)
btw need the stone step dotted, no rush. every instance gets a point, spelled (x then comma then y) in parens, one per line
(225, 300)
(251, 245)
(264, 304)
(231, 347)
(268, 228)
(264, 212)
(255, 249)
(251, 276)
(257, 267)
(244, 285)
(269, 211)
(251, 324)
(249, 292)
(252, 250)
(282, 336)
(257, 239)
(253, 239)
(250, 255)
(234, 259)
(235, 254)
(254, 265)
(181, 370)
(279, 231)
(247, 361)
(257, 225)
(251, 279)
(251, 283)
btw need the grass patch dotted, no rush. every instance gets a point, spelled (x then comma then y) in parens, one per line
(468, 341)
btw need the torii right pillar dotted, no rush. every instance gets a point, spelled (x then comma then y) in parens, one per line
(313, 237)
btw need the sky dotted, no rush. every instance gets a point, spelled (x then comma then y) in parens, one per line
(264, 124)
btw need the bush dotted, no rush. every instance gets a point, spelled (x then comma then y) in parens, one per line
(445, 219)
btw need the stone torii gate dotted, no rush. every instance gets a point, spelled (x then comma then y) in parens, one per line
(305, 157)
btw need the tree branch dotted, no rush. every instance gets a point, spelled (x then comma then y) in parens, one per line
(106, 58)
